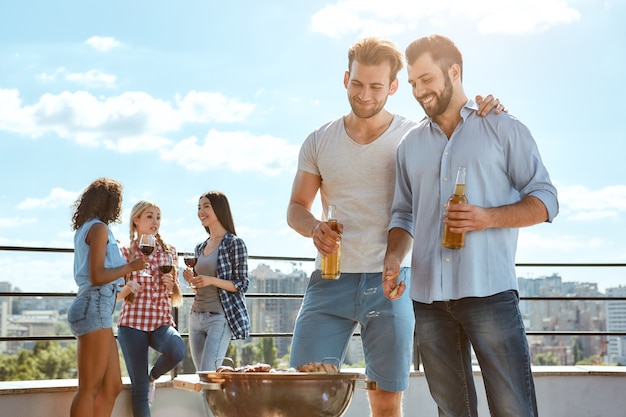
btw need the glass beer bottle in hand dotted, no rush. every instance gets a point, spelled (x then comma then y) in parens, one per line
(455, 240)
(331, 263)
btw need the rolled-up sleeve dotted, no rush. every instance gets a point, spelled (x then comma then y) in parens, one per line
(401, 208)
(529, 175)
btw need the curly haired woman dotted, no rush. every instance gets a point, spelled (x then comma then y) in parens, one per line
(99, 269)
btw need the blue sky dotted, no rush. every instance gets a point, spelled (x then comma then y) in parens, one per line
(174, 99)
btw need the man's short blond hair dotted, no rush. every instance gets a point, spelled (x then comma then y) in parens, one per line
(376, 51)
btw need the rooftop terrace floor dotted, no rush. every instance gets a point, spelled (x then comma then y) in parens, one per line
(569, 391)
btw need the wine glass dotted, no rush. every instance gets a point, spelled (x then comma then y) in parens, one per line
(146, 246)
(190, 258)
(168, 264)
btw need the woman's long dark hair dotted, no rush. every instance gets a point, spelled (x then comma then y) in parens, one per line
(221, 208)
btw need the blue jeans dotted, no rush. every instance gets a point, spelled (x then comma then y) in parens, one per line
(134, 344)
(493, 326)
(209, 336)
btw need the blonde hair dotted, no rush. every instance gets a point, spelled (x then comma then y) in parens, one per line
(376, 51)
(135, 214)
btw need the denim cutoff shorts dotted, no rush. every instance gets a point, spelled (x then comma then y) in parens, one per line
(92, 309)
(333, 309)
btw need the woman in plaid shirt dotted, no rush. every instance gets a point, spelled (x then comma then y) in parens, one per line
(220, 280)
(146, 317)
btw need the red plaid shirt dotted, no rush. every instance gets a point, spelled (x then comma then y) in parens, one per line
(152, 307)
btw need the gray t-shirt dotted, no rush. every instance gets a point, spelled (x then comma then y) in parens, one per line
(207, 299)
(359, 180)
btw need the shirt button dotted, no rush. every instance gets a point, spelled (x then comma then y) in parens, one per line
(447, 259)
(445, 179)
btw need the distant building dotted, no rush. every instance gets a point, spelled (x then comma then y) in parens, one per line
(36, 322)
(275, 315)
(5, 313)
(562, 315)
(39, 316)
(616, 322)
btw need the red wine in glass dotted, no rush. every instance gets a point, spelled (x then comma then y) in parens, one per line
(191, 260)
(146, 250)
(167, 267)
(168, 264)
(146, 246)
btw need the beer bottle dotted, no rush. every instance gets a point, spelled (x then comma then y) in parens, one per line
(455, 240)
(331, 263)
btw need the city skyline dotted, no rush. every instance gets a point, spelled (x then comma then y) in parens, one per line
(278, 315)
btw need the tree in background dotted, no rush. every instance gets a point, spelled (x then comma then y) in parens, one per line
(248, 354)
(48, 360)
(578, 352)
(233, 354)
(543, 359)
(268, 352)
(265, 351)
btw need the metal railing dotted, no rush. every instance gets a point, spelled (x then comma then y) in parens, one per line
(299, 296)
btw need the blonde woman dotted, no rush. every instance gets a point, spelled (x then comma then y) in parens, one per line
(146, 318)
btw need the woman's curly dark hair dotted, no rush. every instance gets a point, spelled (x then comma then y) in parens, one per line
(102, 199)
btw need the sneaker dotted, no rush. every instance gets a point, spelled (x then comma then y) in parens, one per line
(151, 392)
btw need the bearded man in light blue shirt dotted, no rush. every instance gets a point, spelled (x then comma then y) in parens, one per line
(467, 297)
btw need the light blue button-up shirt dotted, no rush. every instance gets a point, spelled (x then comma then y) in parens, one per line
(503, 166)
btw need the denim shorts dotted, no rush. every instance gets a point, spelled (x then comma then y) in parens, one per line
(332, 310)
(92, 310)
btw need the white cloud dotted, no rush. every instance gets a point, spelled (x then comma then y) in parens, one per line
(593, 215)
(49, 77)
(235, 151)
(92, 78)
(102, 43)
(58, 197)
(579, 203)
(136, 122)
(579, 233)
(14, 117)
(129, 122)
(391, 17)
(526, 17)
(530, 240)
(13, 222)
(204, 106)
